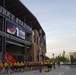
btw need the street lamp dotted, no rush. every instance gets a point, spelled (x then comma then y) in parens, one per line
(58, 61)
(53, 55)
(39, 61)
(53, 61)
(63, 53)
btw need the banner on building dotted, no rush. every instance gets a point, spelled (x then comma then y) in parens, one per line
(15, 30)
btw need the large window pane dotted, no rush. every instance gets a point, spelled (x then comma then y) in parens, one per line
(1, 23)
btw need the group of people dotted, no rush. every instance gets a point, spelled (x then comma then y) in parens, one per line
(9, 67)
(20, 66)
(6, 67)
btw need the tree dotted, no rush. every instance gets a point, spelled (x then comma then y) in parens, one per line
(62, 59)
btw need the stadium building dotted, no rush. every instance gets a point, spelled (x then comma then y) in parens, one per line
(21, 35)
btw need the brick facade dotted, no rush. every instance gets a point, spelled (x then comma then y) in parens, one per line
(35, 48)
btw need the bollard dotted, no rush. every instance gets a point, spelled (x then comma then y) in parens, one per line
(40, 67)
(46, 69)
(54, 65)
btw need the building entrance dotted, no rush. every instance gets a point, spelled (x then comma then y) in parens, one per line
(0, 46)
(16, 50)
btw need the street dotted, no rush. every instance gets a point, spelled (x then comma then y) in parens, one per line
(57, 71)
(62, 70)
(71, 71)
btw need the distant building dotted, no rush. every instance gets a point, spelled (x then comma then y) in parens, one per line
(72, 57)
(21, 35)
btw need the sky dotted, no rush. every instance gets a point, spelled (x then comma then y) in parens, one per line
(58, 20)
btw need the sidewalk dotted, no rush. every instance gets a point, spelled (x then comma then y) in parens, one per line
(57, 71)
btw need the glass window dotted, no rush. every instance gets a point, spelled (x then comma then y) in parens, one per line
(1, 18)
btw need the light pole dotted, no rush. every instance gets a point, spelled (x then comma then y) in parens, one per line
(40, 33)
(58, 61)
(53, 61)
(64, 56)
(39, 61)
(63, 53)
(53, 55)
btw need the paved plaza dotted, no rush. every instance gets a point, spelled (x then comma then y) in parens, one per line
(57, 71)
(62, 70)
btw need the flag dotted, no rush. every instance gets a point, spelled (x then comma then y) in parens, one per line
(3, 56)
(44, 41)
(41, 39)
(10, 58)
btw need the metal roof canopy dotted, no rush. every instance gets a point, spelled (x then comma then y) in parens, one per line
(19, 10)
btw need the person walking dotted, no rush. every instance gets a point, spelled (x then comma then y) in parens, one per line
(6, 67)
(15, 66)
(22, 66)
(1, 67)
(18, 66)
